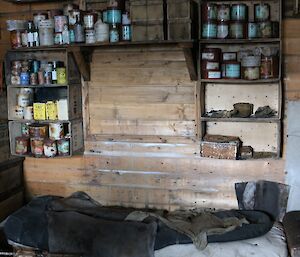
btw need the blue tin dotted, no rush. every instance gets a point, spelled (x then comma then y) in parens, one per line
(126, 32)
(24, 78)
(114, 16)
(104, 16)
(239, 12)
(233, 70)
(209, 30)
(114, 36)
(252, 30)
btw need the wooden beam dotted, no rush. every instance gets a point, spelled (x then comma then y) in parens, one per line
(81, 62)
(190, 62)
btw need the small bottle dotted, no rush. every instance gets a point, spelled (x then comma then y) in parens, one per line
(66, 35)
(72, 36)
(30, 34)
(126, 27)
(79, 31)
(36, 39)
(54, 73)
(114, 36)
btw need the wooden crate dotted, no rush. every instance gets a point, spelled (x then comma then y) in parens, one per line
(182, 29)
(72, 93)
(182, 9)
(73, 128)
(220, 147)
(145, 31)
(146, 10)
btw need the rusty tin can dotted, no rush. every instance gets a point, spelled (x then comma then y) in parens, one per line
(37, 146)
(22, 145)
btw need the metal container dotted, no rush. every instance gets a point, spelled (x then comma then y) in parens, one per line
(46, 32)
(252, 30)
(23, 100)
(22, 145)
(37, 17)
(51, 110)
(90, 37)
(38, 130)
(211, 74)
(269, 67)
(37, 146)
(262, 12)
(114, 16)
(61, 75)
(211, 54)
(28, 113)
(89, 20)
(229, 56)
(114, 36)
(265, 29)
(58, 38)
(223, 29)
(60, 22)
(15, 39)
(251, 67)
(63, 147)
(74, 15)
(232, 70)
(126, 32)
(209, 65)
(39, 111)
(237, 30)
(25, 130)
(102, 31)
(56, 131)
(209, 12)
(209, 30)
(18, 112)
(223, 12)
(239, 12)
(50, 148)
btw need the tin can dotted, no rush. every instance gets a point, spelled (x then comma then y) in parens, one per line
(41, 78)
(211, 54)
(239, 12)
(22, 145)
(56, 131)
(37, 17)
(209, 30)
(24, 38)
(265, 29)
(90, 37)
(15, 80)
(229, 56)
(46, 32)
(211, 74)
(209, 65)
(74, 15)
(63, 147)
(237, 30)
(104, 16)
(39, 111)
(223, 12)
(61, 75)
(24, 129)
(114, 36)
(126, 32)
(114, 16)
(23, 100)
(58, 38)
(51, 110)
(232, 70)
(24, 78)
(251, 67)
(38, 130)
(269, 67)
(223, 29)
(35, 66)
(59, 23)
(18, 112)
(37, 146)
(262, 12)
(28, 113)
(48, 77)
(50, 148)
(15, 39)
(33, 79)
(252, 30)
(209, 12)
(89, 20)
(26, 90)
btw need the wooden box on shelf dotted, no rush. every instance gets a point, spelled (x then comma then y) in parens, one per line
(72, 129)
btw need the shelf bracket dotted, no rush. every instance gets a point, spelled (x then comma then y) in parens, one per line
(191, 61)
(82, 61)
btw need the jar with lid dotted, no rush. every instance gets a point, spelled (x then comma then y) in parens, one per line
(114, 36)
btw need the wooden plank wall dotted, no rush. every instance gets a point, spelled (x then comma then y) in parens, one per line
(140, 130)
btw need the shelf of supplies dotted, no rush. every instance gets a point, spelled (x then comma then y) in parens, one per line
(240, 41)
(240, 81)
(250, 119)
(37, 86)
(40, 121)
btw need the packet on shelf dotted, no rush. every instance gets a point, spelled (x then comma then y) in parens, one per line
(39, 111)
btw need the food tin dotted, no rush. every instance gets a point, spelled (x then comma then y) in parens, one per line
(209, 12)
(24, 38)
(61, 75)
(90, 37)
(37, 146)
(89, 20)
(251, 67)
(56, 131)
(223, 29)
(37, 17)
(262, 12)
(28, 113)
(211, 54)
(114, 36)
(269, 67)
(209, 65)
(252, 30)
(126, 32)
(63, 147)
(209, 30)
(33, 79)
(60, 22)
(15, 39)
(50, 148)
(102, 31)
(38, 130)
(39, 111)
(23, 100)
(24, 78)
(51, 110)
(232, 70)
(74, 15)
(223, 12)
(58, 38)
(229, 56)
(104, 16)
(237, 30)
(22, 145)
(265, 29)
(211, 74)
(25, 130)
(114, 15)
(41, 78)
(15, 80)
(46, 32)
(239, 12)
(18, 112)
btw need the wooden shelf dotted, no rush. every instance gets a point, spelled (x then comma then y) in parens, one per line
(37, 86)
(240, 81)
(251, 119)
(82, 52)
(41, 121)
(240, 41)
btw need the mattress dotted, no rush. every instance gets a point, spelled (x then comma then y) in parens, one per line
(272, 244)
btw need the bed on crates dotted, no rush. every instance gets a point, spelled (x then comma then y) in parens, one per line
(79, 226)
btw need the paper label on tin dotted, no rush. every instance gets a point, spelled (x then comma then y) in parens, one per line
(238, 12)
(222, 31)
(229, 56)
(236, 30)
(209, 30)
(214, 74)
(212, 65)
(208, 56)
(233, 71)
(251, 73)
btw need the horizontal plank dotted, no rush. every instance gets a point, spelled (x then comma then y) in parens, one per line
(138, 128)
(144, 112)
(291, 28)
